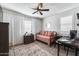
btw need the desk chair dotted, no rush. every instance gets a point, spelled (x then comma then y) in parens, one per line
(73, 34)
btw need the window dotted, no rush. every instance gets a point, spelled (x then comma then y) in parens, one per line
(27, 26)
(66, 23)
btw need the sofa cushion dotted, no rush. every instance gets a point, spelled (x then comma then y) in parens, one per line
(50, 33)
(46, 36)
(42, 33)
(43, 37)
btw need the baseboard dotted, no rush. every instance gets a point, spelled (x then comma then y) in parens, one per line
(16, 45)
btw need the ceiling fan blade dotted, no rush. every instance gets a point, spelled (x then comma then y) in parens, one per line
(44, 9)
(39, 9)
(34, 12)
(38, 6)
(41, 13)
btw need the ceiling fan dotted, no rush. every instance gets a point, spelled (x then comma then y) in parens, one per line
(39, 9)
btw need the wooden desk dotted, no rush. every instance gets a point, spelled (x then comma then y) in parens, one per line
(68, 43)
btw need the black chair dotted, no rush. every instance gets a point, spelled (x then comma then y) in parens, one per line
(73, 35)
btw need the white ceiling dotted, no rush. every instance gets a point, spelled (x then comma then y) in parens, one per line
(26, 8)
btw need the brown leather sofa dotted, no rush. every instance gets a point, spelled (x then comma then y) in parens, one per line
(46, 36)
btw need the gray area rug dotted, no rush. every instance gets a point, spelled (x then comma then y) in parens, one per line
(28, 50)
(37, 49)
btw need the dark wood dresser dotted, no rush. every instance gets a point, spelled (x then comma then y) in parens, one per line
(4, 39)
(28, 39)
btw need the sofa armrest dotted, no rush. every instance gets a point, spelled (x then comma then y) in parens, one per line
(52, 37)
(37, 33)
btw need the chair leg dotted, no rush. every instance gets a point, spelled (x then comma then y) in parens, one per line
(64, 48)
(76, 52)
(54, 45)
(67, 51)
(58, 49)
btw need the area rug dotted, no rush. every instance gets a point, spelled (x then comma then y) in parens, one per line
(28, 50)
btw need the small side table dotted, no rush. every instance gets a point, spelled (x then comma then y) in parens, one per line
(28, 39)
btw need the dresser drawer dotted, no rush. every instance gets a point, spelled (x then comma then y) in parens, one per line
(28, 39)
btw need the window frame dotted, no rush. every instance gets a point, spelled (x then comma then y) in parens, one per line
(66, 23)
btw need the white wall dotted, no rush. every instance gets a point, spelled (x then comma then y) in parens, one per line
(1, 14)
(54, 20)
(16, 25)
(36, 25)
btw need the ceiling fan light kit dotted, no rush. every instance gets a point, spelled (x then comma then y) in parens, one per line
(39, 9)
